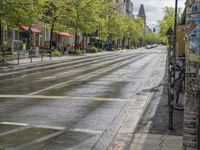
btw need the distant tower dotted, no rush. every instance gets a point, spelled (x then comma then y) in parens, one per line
(142, 13)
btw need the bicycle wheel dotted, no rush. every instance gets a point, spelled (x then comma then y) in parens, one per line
(178, 102)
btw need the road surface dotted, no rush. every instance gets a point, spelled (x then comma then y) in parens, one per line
(79, 105)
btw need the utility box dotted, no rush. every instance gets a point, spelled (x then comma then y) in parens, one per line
(180, 44)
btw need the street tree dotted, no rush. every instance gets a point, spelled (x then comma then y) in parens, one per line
(83, 16)
(10, 13)
(54, 12)
(168, 21)
(18, 12)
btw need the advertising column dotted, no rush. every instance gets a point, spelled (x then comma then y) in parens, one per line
(191, 128)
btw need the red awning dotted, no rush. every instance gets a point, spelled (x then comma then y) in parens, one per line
(65, 34)
(34, 30)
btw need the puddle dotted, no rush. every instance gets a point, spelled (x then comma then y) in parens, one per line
(116, 90)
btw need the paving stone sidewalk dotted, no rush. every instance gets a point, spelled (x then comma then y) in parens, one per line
(152, 132)
(144, 141)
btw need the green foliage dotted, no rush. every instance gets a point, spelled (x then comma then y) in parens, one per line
(82, 15)
(168, 20)
(166, 24)
(5, 58)
(6, 55)
(78, 52)
(95, 18)
(117, 49)
(152, 38)
(93, 50)
(56, 53)
(18, 12)
(5, 48)
(100, 50)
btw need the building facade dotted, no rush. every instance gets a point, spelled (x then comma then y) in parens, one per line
(129, 8)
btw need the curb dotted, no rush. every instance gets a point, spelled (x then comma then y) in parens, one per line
(124, 136)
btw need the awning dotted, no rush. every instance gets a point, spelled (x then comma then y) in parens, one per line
(33, 30)
(65, 34)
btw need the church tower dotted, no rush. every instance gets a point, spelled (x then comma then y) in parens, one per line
(142, 13)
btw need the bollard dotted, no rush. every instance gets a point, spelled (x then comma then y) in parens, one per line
(31, 55)
(18, 55)
(41, 58)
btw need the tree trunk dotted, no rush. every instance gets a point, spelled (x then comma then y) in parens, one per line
(29, 38)
(76, 30)
(1, 35)
(109, 35)
(86, 42)
(128, 43)
(51, 36)
(123, 42)
(76, 40)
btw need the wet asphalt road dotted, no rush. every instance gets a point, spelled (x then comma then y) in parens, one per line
(78, 105)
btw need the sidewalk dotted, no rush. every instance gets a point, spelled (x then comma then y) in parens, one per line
(144, 141)
(152, 133)
(25, 66)
(46, 59)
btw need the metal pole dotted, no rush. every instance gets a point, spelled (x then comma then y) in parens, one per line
(50, 54)
(31, 55)
(42, 58)
(175, 27)
(18, 55)
(170, 92)
(171, 110)
(173, 71)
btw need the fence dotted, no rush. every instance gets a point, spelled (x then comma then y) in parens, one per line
(19, 56)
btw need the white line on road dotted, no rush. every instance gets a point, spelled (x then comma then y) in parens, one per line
(87, 131)
(53, 127)
(67, 98)
(50, 127)
(14, 123)
(87, 76)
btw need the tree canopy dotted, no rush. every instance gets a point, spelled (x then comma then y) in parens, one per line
(74, 16)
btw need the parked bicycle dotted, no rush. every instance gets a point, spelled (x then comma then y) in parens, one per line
(179, 86)
(176, 86)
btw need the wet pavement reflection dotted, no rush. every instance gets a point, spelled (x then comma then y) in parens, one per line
(74, 105)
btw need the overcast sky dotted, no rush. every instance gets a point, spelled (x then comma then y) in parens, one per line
(154, 8)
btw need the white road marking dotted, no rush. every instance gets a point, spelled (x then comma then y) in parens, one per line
(68, 98)
(53, 127)
(14, 123)
(50, 127)
(87, 131)
(89, 75)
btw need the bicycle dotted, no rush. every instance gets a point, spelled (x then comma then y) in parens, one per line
(179, 87)
(177, 84)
